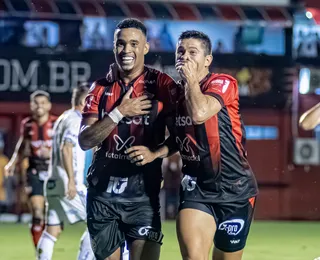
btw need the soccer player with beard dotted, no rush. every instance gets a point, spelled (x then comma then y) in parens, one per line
(311, 118)
(35, 143)
(218, 190)
(125, 116)
(64, 189)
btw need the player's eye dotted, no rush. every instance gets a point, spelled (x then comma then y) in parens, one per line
(193, 52)
(119, 44)
(134, 44)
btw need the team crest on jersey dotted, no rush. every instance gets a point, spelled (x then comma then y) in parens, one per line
(221, 84)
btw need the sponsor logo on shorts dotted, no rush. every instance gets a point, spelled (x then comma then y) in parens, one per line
(232, 227)
(189, 183)
(151, 234)
(235, 241)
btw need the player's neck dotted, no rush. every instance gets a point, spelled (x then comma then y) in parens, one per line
(130, 76)
(203, 74)
(42, 119)
(77, 108)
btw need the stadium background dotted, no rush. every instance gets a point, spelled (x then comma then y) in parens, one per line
(271, 47)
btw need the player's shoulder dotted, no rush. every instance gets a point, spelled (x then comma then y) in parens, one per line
(98, 86)
(71, 117)
(26, 121)
(53, 118)
(159, 75)
(220, 78)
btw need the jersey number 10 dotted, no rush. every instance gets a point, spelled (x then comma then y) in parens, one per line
(117, 185)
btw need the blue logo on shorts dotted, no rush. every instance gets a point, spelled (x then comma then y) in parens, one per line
(233, 227)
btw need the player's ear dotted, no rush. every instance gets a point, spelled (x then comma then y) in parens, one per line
(114, 48)
(49, 106)
(146, 48)
(208, 60)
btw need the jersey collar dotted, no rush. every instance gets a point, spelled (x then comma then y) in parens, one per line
(113, 75)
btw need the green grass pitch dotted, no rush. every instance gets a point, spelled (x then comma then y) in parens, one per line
(267, 241)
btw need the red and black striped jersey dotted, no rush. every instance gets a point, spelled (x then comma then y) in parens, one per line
(213, 153)
(40, 139)
(110, 160)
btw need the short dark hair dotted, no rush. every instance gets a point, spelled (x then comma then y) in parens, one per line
(204, 38)
(40, 93)
(78, 92)
(132, 23)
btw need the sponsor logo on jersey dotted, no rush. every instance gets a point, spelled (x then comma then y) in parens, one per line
(121, 145)
(183, 121)
(233, 227)
(41, 143)
(136, 120)
(187, 152)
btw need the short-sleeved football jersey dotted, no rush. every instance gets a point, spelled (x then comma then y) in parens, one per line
(66, 130)
(215, 164)
(111, 170)
(40, 138)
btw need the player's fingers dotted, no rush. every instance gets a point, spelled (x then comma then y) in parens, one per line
(144, 112)
(127, 95)
(145, 102)
(141, 163)
(143, 107)
(180, 63)
(137, 158)
(133, 154)
(133, 148)
(143, 97)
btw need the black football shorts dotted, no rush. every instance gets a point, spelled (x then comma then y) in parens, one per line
(110, 224)
(34, 183)
(233, 220)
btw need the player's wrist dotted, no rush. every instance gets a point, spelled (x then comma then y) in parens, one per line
(116, 115)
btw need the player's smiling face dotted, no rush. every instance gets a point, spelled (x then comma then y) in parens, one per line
(193, 49)
(40, 106)
(130, 46)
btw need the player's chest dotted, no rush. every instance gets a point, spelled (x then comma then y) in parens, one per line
(40, 136)
(114, 96)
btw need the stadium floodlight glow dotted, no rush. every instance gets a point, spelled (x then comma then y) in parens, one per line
(309, 15)
(304, 81)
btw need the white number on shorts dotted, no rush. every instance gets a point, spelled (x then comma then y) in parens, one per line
(117, 185)
(189, 183)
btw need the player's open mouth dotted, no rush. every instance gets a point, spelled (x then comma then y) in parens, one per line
(127, 60)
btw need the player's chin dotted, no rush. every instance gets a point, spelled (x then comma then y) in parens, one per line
(127, 67)
(40, 113)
